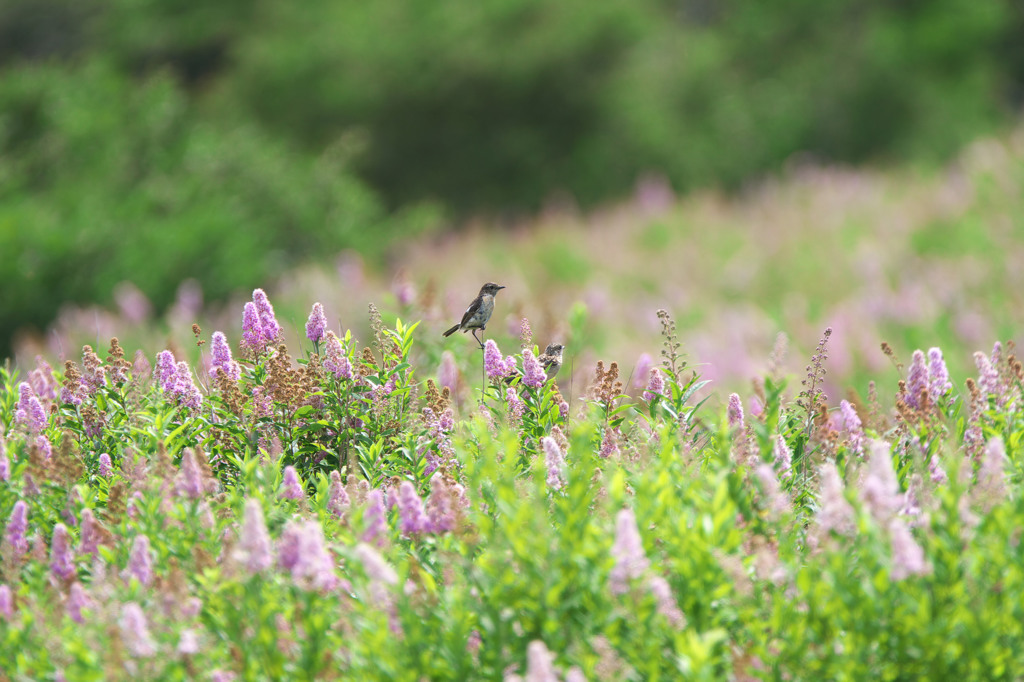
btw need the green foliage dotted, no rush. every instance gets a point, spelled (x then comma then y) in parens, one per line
(108, 179)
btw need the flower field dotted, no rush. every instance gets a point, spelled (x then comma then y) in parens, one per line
(355, 513)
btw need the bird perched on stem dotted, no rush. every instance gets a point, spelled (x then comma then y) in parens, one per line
(478, 312)
(551, 359)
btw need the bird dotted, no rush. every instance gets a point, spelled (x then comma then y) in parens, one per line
(551, 359)
(478, 312)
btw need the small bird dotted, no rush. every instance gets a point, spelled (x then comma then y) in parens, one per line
(551, 359)
(478, 312)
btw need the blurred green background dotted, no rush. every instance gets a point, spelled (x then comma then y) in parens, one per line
(155, 141)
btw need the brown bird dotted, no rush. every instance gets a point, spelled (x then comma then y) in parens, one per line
(551, 359)
(478, 312)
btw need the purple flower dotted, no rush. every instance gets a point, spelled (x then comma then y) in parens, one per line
(141, 369)
(166, 367)
(253, 339)
(17, 525)
(271, 329)
(628, 552)
(777, 501)
(516, 406)
(6, 602)
(563, 410)
(783, 457)
(880, 489)
(89, 535)
(533, 372)
(188, 642)
(834, 511)
(105, 468)
(494, 365)
(440, 506)
(222, 361)
(135, 631)
(655, 385)
(375, 566)
(336, 359)
(991, 474)
(78, 599)
(642, 371)
(539, 663)
(907, 555)
(291, 489)
(667, 605)
(337, 496)
(302, 551)
(735, 411)
(255, 542)
(43, 381)
(30, 411)
(5, 464)
(316, 325)
(938, 376)
(448, 372)
(375, 520)
(525, 333)
(189, 482)
(184, 388)
(853, 426)
(61, 559)
(917, 379)
(413, 520)
(609, 444)
(988, 380)
(140, 560)
(554, 460)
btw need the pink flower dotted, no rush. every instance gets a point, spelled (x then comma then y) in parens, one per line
(61, 558)
(533, 372)
(834, 512)
(304, 553)
(335, 358)
(628, 552)
(655, 385)
(316, 325)
(29, 411)
(938, 376)
(16, 527)
(880, 489)
(78, 599)
(413, 520)
(734, 412)
(375, 520)
(166, 367)
(135, 631)
(907, 556)
(494, 364)
(189, 482)
(89, 535)
(268, 322)
(140, 560)
(6, 602)
(105, 467)
(255, 541)
(783, 457)
(222, 361)
(291, 489)
(337, 496)
(554, 460)
(917, 379)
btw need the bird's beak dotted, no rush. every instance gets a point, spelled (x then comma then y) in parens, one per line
(500, 287)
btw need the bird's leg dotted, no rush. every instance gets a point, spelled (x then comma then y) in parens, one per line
(478, 339)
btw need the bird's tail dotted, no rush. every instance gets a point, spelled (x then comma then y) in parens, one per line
(452, 330)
